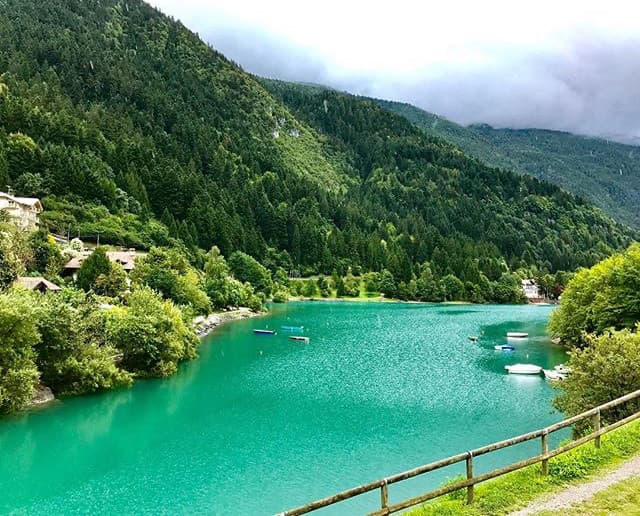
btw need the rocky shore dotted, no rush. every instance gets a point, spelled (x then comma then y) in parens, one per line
(42, 395)
(205, 325)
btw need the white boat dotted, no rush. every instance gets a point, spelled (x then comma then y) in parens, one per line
(504, 347)
(562, 369)
(554, 376)
(523, 369)
(517, 335)
(300, 339)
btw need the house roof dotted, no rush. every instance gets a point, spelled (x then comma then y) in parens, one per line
(125, 258)
(37, 283)
(25, 201)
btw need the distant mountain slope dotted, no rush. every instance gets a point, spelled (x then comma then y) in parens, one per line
(605, 172)
(445, 199)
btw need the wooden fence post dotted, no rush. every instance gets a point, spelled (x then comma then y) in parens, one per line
(469, 475)
(545, 450)
(596, 427)
(384, 494)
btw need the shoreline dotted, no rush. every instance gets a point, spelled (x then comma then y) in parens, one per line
(204, 326)
(380, 299)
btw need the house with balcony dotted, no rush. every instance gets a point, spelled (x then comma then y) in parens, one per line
(23, 211)
(532, 291)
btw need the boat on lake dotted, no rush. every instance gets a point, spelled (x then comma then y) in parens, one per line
(554, 376)
(264, 332)
(517, 335)
(300, 338)
(473, 338)
(562, 369)
(504, 347)
(292, 328)
(523, 369)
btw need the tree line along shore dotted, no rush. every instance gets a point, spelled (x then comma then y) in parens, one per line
(107, 326)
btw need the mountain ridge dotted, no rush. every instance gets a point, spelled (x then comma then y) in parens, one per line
(586, 165)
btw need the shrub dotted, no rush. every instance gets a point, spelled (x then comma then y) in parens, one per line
(281, 295)
(605, 369)
(18, 336)
(72, 355)
(151, 334)
(95, 265)
(602, 297)
(248, 269)
(168, 272)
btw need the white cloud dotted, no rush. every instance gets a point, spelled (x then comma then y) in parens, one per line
(506, 61)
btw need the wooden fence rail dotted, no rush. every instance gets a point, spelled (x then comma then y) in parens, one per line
(543, 434)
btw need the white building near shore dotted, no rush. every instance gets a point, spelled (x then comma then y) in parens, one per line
(532, 291)
(23, 210)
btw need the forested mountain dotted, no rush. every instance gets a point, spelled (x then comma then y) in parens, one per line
(604, 172)
(129, 126)
(111, 103)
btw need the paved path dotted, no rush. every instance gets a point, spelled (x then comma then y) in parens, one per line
(580, 493)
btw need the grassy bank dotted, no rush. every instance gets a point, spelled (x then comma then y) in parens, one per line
(517, 489)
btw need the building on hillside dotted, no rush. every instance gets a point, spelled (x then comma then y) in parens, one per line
(23, 210)
(532, 291)
(127, 259)
(38, 283)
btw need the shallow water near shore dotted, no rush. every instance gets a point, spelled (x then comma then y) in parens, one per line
(259, 424)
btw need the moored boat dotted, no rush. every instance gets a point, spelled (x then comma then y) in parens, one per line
(264, 332)
(562, 369)
(504, 347)
(473, 338)
(517, 335)
(300, 338)
(523, 369)
(554, 376)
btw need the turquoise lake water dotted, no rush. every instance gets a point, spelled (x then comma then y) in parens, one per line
(260, 424)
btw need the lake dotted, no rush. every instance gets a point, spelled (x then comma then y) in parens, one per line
(259, 424)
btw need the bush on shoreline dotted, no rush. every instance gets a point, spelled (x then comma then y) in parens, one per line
(100, 332)
(598, 319)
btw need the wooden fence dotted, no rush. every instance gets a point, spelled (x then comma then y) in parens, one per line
(468, 457)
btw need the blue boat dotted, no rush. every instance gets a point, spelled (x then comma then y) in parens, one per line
(264, 332)
(504, 347)
(292, 328)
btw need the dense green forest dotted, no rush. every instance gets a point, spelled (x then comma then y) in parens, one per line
(604, 172)
(131, 128)
(598, 319)
(449, 199)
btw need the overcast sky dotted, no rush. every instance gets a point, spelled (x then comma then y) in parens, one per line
(558, 64)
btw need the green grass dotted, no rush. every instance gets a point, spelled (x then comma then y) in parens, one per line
(621, 499)
(517, 489)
